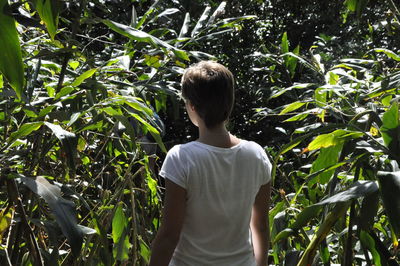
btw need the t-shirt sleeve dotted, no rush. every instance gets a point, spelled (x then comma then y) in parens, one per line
(173, 167)
(266, 166)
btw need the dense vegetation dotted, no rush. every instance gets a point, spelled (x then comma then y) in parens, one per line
(84, 86)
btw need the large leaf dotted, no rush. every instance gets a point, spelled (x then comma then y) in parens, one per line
(78, 81)
(327, 157)
(368, 242)
(69, 143)
(48, 11)
(217, 13)
(6, 216)
(23, 131)
(185, 26)
(336, 137)
(390, 128)
(11, 57)
(142, 36)
(323, 230)
(389, 183)
(63, 210)
(120, 235)
(291, 107)
(201, 22)
(359, 189)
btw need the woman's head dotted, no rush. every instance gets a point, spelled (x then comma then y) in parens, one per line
(209, 87)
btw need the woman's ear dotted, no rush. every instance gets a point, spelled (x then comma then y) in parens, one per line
(190, 105)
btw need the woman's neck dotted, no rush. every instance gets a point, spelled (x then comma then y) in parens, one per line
(218, 136)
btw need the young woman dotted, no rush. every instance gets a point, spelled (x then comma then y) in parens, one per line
(217, 187)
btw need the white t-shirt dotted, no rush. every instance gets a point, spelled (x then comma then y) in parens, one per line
(221, 185)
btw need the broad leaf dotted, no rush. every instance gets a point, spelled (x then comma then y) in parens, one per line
(78, 81)
(368, 242)
(388, 52)
(292, 107)
(11, 57)
(23, 131)
(357, 190)
(142, 36)
(336, 137)
(327, 157)
(389, 184)
(202, 21)
(6, 216)
(48, 11)
(185, 26)
(390, 128)
(120, 235)
(68, 141)
(63, 210)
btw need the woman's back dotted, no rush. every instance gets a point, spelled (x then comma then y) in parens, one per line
(221, 185)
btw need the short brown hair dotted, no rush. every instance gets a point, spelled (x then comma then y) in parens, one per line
(209, 86)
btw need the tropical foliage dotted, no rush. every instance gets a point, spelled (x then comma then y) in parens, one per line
(85, 86)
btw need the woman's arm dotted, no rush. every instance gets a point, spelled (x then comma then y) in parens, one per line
(259, 224)
(173, 215)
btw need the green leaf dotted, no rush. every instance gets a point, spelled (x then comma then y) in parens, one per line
(11, 64)
(201, 22)
(368, 242)
(291, 107)
(142, 36)
(296, 86)
(24, 131)
(185, 26)
(64, 91)
(292, 61)
(6, 216)
(389, 184)
(327, 157)
(323, 230)
(388, 52)
(68, 141)
(359, 189)
(63, 210)
(390, 128)
(48, 11)
(369, 210)
(120, 235)
(297, 117)
(351, 5)
(336, 137)
(87, 74)
(284, 44)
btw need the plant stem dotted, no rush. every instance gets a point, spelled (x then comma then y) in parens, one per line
(75, 27)
(348, 257)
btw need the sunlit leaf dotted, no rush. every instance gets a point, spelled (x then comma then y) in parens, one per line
(120, 235)
(336, 137)
(142, 36)
(388, 52)
(48, 11)
(68, 141)
(390, 128)
(5, 220)
(24, 131)
(185, 26)
(11, 57)
(201, 22)
(217, 13)
(63, 210)
(327, 157)
(78, 81)
(292, 107)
